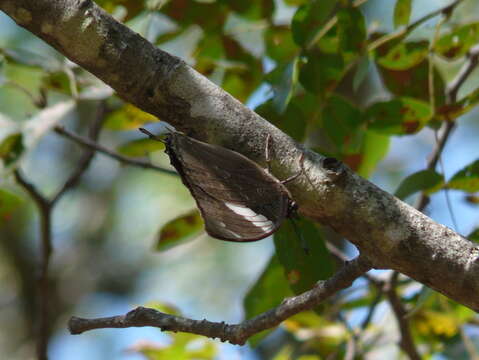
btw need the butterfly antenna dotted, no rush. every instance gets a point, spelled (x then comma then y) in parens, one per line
(170, 129)
(150, 135)
(304, 245)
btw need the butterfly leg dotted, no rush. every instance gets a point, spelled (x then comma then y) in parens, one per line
(293, 177)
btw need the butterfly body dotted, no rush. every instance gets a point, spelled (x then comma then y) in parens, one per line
(239, 200)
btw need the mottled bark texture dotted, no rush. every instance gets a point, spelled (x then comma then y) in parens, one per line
(391, 233)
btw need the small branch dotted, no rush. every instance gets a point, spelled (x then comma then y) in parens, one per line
(372, 308)
(406, 343)
(466, 70)
(97, 147)
(43, 313)
(87, 157)
(452, 90)
(234, 333)
(406, 30)
(447, 128)
(352, 344)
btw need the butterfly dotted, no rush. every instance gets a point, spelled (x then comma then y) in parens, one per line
(238, 200)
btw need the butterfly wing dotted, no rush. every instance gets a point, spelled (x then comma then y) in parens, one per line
(238, 200)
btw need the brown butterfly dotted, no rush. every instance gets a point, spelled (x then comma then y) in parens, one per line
(238, 200)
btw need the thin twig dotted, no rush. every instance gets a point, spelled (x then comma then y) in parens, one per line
(45, 208)
(406, 30)
(466, 69)
(97, 147)
(406, 343)
(448, 126)
(43, 305)
(372, 308)
(87, 156)
(352, 344)
(234, 333)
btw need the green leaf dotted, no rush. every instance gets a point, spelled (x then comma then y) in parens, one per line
(341, 120)
(398, 116)
(283, 80)
(309, 18)
(208, 15)
(11, 148)
(183, 346)
(252, 10)
(404, 55)
(280, 45)
(140, 147)
(374, 148)
(292, 121)
(463, 106)
(182, 229)
(3, 77)
(457, 43)
(402, 12)
(242, 79)
(295, 2)
(304, 264)
(128, 117)
(163, 307)
(403, 79)
(428, 181)
(351, 32)
(268, 292)
(466, 179)
(424, 295)
(474, 235)
(8, 203)
(322, 72)
(362, 71)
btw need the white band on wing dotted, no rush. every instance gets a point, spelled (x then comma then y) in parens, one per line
(256, 219)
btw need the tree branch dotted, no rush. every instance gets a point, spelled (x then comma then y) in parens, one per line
(42, 301)
(88, 143)
(403, 32)
(391, 233)
(448, 126)
(466, 70)
(234, 333)
(87, 156)
(45, 208)
(406, 343)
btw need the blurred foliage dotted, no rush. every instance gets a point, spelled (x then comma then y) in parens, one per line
(324, 72)
(181, 229)
(427, 181)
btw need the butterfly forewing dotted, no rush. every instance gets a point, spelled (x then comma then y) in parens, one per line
(238, 200)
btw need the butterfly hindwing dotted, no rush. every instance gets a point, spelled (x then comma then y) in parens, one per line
(238, 200)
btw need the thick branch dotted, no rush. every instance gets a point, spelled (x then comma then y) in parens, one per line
(234, 333)
(391, 233)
